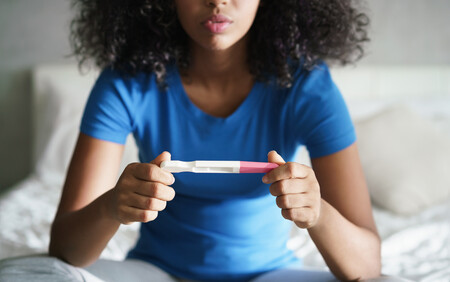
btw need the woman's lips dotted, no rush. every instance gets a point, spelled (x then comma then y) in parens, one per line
(217, 23)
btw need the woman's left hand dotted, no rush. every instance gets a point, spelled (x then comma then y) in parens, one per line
(297, 191)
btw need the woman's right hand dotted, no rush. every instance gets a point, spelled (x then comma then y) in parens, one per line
(142, 191)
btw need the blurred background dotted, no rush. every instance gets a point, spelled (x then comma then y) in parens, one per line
(403, 32)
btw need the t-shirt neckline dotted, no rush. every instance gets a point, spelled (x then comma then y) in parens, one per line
(244, 110)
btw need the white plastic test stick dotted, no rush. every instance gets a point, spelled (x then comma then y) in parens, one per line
(218, 166)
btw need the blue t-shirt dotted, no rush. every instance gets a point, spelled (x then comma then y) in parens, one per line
(219, 227)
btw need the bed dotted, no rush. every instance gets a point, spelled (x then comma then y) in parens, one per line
(402, 118)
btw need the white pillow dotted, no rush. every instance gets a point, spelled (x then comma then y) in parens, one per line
(405, 160)
(59, 95)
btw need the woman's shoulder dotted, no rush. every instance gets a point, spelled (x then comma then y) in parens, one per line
(302, 74)
(312, 82)
(110, 75)
(126, 85)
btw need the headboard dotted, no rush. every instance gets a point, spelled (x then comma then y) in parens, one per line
(393, 82)
(59, 96)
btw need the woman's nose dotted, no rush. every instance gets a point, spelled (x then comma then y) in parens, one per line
(216, 3)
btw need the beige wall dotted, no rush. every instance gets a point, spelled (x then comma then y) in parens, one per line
(409, 32)
(35, 31)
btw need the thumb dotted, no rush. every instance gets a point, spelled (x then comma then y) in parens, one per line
(274, 157)
(164, 156)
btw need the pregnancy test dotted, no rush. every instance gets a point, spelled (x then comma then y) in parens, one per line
(218, 166)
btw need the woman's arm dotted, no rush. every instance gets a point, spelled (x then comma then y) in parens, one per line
(345, 233)
(93, 205)
(332, 202)
(82, 227)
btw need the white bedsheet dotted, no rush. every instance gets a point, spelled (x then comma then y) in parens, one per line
(415, 247)
(26, 213)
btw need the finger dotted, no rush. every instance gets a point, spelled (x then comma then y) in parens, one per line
(274, 157)
(156, 190)
(288, 186)
(304, 216)
(152, 172)
(128, 215)
(288, 170)
(292, 201)
(147, 203)
(164, 156)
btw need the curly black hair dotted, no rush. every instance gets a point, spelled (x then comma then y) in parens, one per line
(145, 35)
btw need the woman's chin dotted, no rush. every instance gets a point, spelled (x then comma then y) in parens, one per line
(217, 44)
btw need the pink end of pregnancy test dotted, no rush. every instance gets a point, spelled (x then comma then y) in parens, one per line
(256, 167)
(218, 166)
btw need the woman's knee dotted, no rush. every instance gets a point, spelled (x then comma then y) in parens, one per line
(37, 268)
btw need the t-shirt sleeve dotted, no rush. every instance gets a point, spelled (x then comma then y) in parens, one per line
(107, 115)
(321, 120)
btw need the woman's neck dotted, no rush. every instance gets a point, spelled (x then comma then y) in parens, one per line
(218, 81)
(212, 67)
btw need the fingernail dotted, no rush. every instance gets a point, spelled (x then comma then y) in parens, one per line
(265, 179)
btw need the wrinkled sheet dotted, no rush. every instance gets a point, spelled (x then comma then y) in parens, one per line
(26, 213)
(415, 247)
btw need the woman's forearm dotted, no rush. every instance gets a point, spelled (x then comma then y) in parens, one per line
(351, 252)
(80, 236)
